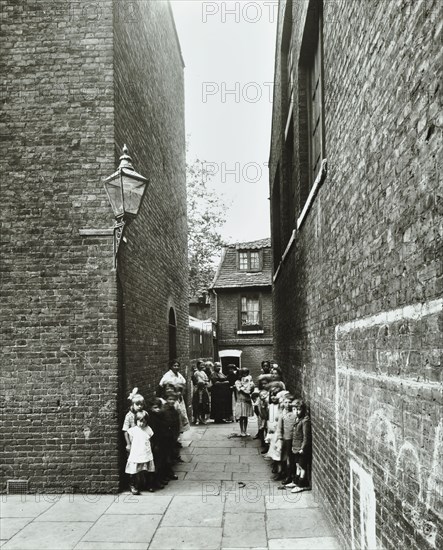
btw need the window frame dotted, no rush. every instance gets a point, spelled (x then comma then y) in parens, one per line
(255, 327)
(249, 269)
(311, 62)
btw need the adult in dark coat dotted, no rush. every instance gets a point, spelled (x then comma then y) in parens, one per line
(221, 399)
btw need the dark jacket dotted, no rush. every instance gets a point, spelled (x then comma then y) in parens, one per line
(301, 436)
(171, 419)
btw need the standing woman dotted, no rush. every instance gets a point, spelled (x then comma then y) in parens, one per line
(233, 376)
(221, 403)
(244, 409)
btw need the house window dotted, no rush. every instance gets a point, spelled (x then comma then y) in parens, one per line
(255, 261)
(250, 311)
(249, 260)
(243, 261)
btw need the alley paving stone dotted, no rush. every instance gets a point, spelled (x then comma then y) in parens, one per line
(224, 499)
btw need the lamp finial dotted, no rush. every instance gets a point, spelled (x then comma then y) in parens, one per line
(125, 159)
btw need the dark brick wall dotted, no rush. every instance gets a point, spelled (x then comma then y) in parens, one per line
(150, 119)
(60, 127)
(256, 347)
(357, 304)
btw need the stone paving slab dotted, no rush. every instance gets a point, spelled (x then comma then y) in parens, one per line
(184, 467)
(97, 545)
(194, 511)
(48, 535)
(128, 504)
(110, 528)
(244, 530)
(187, 538)
(232, 443)
(192, 488)
(208, 475)
(305, 522)
(26, 506)
(226, 459)
(246, 451)
(213, 451)
(10, 526)
(240, 467)
(208, 467)
(317, 543)
(250, 476)
(286, 500)
(77, 508)
(238, 503)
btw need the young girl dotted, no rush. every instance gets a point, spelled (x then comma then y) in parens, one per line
(263, 412)
(181, 407)
(137, 405)
(140, 458)
(200, 403)
(244, 409)
(274, 451)
(285, 425)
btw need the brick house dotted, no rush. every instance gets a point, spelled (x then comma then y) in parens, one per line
(354, 186)
(81, 80)
(241, 301)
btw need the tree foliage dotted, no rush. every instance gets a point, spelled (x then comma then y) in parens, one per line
(206, 215)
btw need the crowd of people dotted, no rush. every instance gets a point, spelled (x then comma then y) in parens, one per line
(153, 438)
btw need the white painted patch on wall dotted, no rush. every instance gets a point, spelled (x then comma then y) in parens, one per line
(435, 485)
(413, 311)
(367, 505)
(343, 369)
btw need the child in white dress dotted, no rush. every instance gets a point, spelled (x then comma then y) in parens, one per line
(274, 451)
(140, 457)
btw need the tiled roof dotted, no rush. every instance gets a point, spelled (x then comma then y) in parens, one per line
(228, 276)
(253, 245)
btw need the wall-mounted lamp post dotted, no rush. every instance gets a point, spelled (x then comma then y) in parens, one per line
(125, 189)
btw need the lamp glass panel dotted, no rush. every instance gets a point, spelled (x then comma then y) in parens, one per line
(133, 193)
(114, 190)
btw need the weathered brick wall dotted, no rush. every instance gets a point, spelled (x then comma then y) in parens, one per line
(257, 347)
(62, 371)
(150, 119)
(59, 301)
(357, 303)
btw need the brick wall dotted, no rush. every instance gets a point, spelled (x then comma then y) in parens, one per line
(357, 302)
(153, 261)
(63, 372)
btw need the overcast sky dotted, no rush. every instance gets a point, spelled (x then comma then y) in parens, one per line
(228, 50)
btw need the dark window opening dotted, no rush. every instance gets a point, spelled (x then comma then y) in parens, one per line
(172, 335)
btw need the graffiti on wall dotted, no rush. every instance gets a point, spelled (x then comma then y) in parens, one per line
(388, 385)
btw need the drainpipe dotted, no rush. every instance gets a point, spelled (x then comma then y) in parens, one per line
(216, 306)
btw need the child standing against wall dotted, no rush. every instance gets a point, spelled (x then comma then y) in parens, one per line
(140, 457)
(137, 404)
(301, 454)
(285, 426)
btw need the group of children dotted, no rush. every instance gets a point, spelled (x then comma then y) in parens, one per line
(284, 428)
(285, 433)
(152, 439)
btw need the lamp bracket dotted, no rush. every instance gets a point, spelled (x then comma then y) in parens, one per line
(118, 234)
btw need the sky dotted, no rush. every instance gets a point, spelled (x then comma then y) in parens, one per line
(228, 50)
